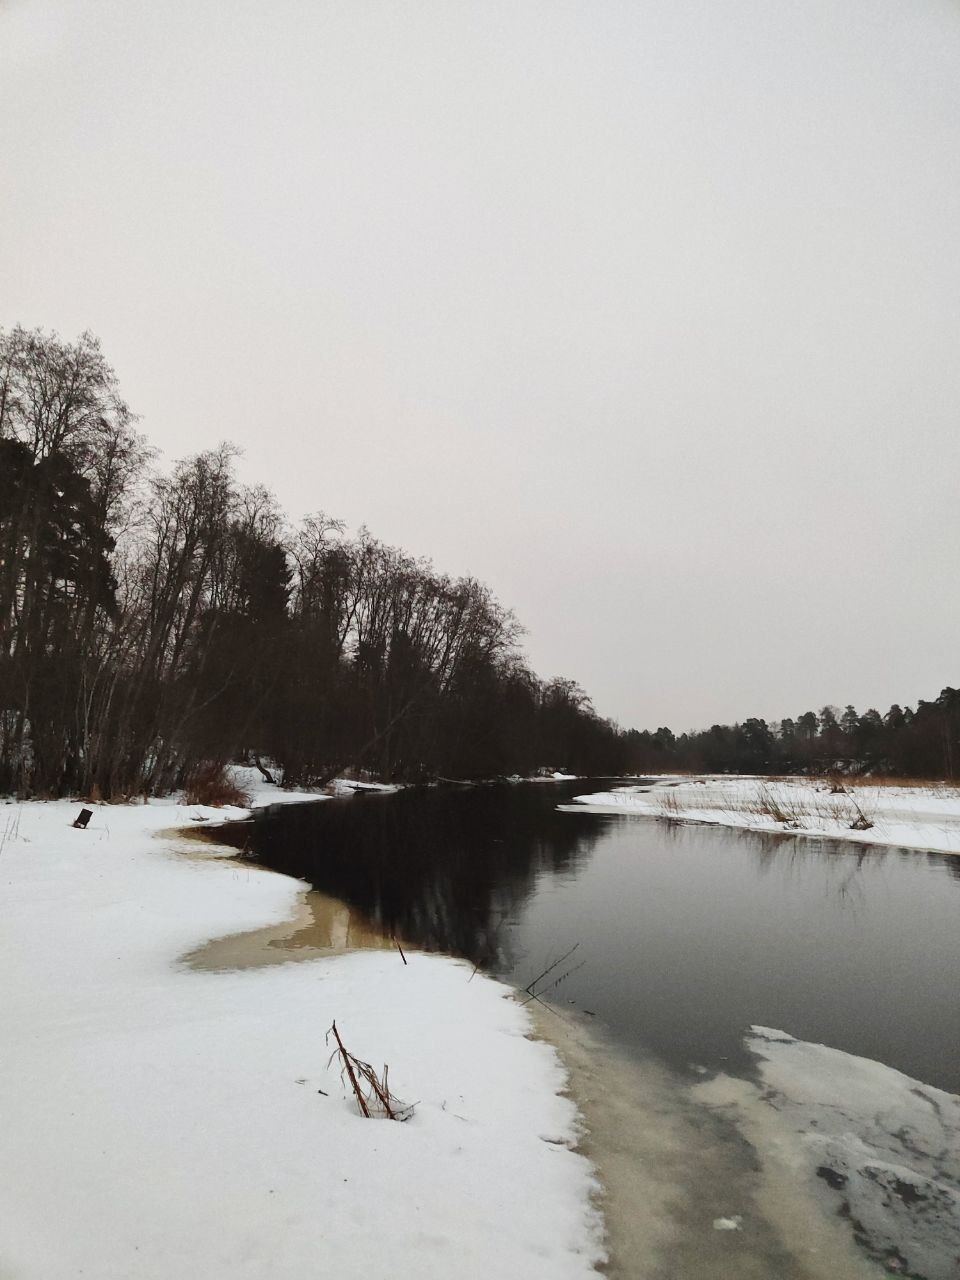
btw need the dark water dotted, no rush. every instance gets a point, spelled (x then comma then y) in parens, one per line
(687, 934)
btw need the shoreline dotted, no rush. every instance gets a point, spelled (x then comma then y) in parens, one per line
(668, 1159)
(924, 819)
(656, 1160)
(672, 1161)
(675, 1155)
(208, 1101)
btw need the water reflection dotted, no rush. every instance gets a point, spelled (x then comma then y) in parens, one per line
(445, 869)
(688, 934)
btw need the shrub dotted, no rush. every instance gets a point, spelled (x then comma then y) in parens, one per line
(212, 784)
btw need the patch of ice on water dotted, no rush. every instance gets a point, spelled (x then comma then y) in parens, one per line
(886, 1146)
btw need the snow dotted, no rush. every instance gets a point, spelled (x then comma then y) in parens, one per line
(347, 786)
(553, 775)
(157, 1121)
(917, 817)
(861, 1150)
(886, 1146)
(267, 794)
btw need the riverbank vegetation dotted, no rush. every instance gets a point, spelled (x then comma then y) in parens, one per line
(154, 624)
(914, 816)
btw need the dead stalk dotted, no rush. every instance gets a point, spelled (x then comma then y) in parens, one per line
(377, 1099)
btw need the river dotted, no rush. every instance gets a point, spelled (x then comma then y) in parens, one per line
(684, 935)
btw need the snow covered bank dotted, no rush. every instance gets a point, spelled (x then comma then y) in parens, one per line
(909, 817)
(156, 1121)
(268, 794)
(883, 1150)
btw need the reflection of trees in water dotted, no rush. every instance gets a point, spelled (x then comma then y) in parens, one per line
(949, 861)
(772, 849)
(450, 869)
(841, 861)
(442, 869)
(848, 859)
(786, 855)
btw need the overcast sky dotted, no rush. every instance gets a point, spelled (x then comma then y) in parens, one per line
(646, 313)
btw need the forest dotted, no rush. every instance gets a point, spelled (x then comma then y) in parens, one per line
(906, 743)
(157, 625)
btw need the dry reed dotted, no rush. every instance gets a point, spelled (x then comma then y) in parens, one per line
(373, 1096)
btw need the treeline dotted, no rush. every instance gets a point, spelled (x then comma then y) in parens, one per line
(154, 624)
(924, 743)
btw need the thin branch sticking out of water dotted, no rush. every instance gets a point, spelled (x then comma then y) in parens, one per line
(531, 990)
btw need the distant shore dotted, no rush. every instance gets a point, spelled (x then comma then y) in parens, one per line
(923, 816)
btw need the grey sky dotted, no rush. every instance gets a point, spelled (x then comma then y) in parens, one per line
(646, 313)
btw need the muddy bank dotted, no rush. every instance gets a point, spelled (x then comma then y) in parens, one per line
(323, 926)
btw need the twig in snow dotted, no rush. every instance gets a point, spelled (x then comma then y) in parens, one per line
(11, 829)
(376, 1099)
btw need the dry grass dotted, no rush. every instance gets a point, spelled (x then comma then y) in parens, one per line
(794, 809)
(824, 804)
(371, 1091)
(851, 782)
(778, 804)
(940, 788)
(11, 828)
(211, 784)
(794, 804)
(668, 803)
